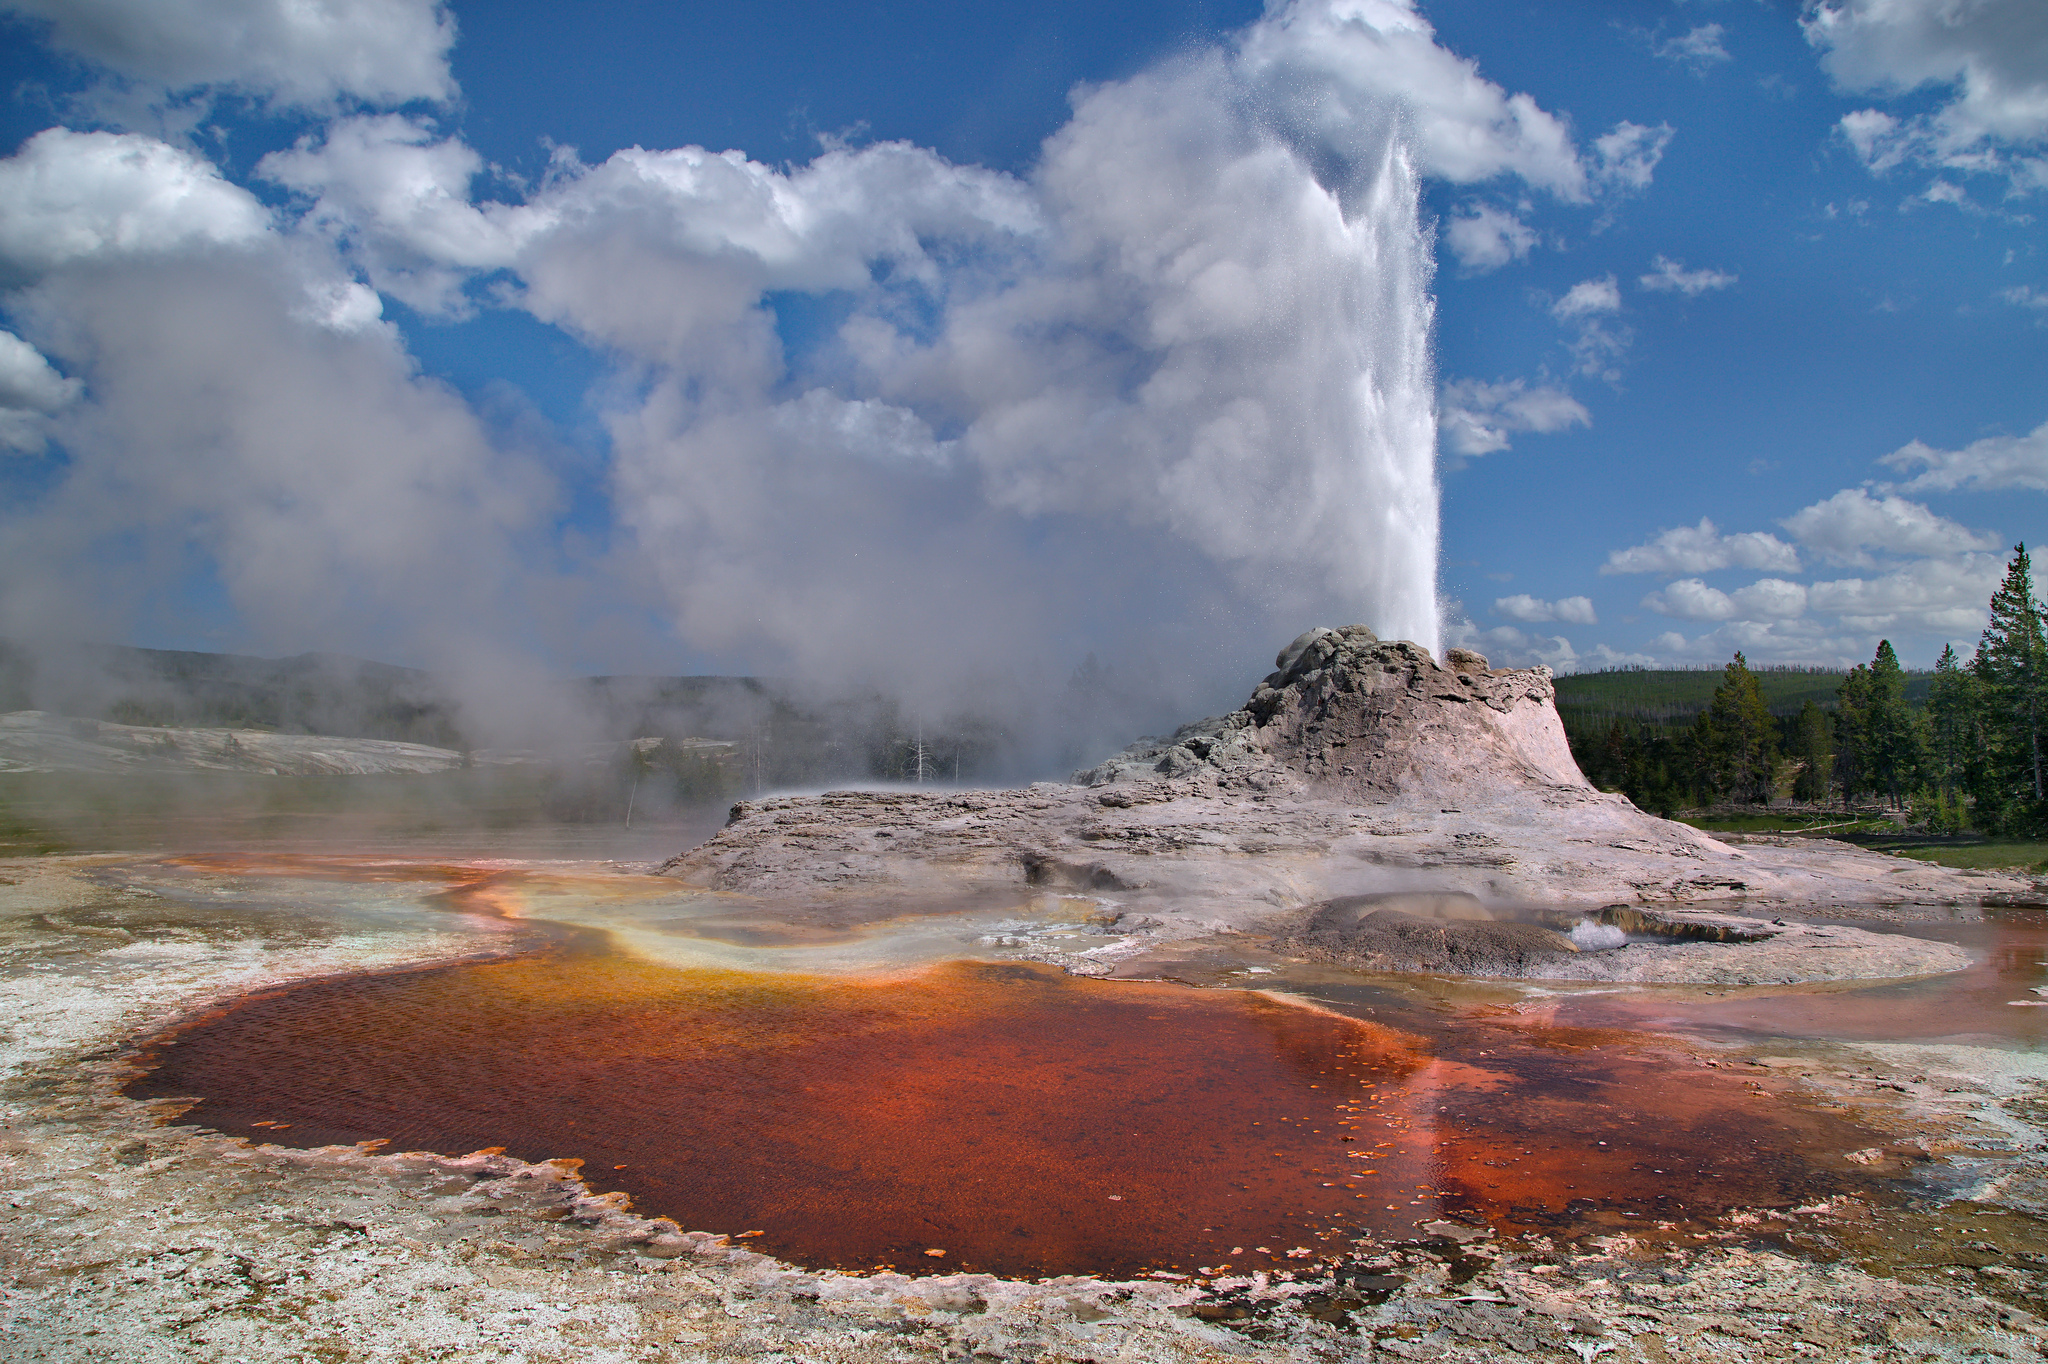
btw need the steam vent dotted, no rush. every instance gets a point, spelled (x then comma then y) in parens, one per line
(1360, 767)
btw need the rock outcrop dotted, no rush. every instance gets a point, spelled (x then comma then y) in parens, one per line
(1359, 767)
(1349, 717)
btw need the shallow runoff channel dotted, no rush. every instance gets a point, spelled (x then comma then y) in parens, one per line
(842, 1087)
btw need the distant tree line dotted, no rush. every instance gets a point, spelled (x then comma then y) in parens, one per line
(1970, 758)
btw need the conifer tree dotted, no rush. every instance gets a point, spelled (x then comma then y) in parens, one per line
(1891, 734)
(2011, 667)
(1740, 739)
(1813, 747)
(1852, 716)
(1952, 728)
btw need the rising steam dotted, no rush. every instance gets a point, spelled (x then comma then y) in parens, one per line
(877, 419)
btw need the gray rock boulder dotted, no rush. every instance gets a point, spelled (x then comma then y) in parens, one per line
(1350, 717)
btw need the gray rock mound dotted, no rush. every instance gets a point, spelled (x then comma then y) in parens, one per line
(1451, 934)
(1351, 717)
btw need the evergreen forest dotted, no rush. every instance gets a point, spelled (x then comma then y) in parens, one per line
(1956, 749)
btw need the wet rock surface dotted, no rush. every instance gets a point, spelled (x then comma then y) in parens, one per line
(1392, 940)
(1358, 767)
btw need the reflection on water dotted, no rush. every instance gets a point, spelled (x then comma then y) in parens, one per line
(1020, 1120)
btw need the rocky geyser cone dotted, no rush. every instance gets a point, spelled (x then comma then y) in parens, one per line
(1352, 717)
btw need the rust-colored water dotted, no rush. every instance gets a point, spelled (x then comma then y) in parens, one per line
(1021, 1121)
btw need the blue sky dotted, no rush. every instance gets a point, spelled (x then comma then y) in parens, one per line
(376, 334)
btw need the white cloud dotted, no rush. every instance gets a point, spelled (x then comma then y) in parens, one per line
(1875, 137)
(1770, 599)
(1764, 642)
(1483, 237)
(1990, 57)
(1597, 343)
(1669, 276)
(1589, 296)
(1692, 599)
(1764, 600)
(1993, 462)
(28, 382)
(399, 196)
(1698, 48)
(1506, 647)
(1569, 610)
(1330, 64)
(299, 52)
(68, 196)
(340, 500)
(2025, 296)
(1478, 418)
(1946, 596)
(1196, 338)
(1627, 157)
(1702, 549)
(1845, 527)
(30, 390)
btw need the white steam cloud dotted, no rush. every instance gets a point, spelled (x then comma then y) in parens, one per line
(1169, 394)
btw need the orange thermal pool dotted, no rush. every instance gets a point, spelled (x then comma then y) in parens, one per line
(1020, 1120)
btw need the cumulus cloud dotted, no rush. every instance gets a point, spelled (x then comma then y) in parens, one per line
(1478, 418)
(1597, 342)
(1483, 237)
(292, 52)
(1569, 610)
(1507, 647)
(1703, 549)
(399, 195)
(1847, 526)
(1771, 599)
(1328, 64)
(30, 391)
(68, 196)
(1945, 596)
(1766, 599)
(1691, 599)
(1626, 158)
(1990, 463)
(1698, 48)
(1989, 57)
(1670, 276)
(1587, 297)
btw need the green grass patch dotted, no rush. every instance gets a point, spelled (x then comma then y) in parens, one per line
(1998, 855)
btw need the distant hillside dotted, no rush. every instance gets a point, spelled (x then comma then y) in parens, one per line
(1592, 702)
(785, 734)
(310, 693)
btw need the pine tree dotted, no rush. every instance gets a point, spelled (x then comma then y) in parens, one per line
(1892, 743)
(1852, 724)
(1813, 747)
(1952, 730)
(1741, 738)
(2012, 669)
